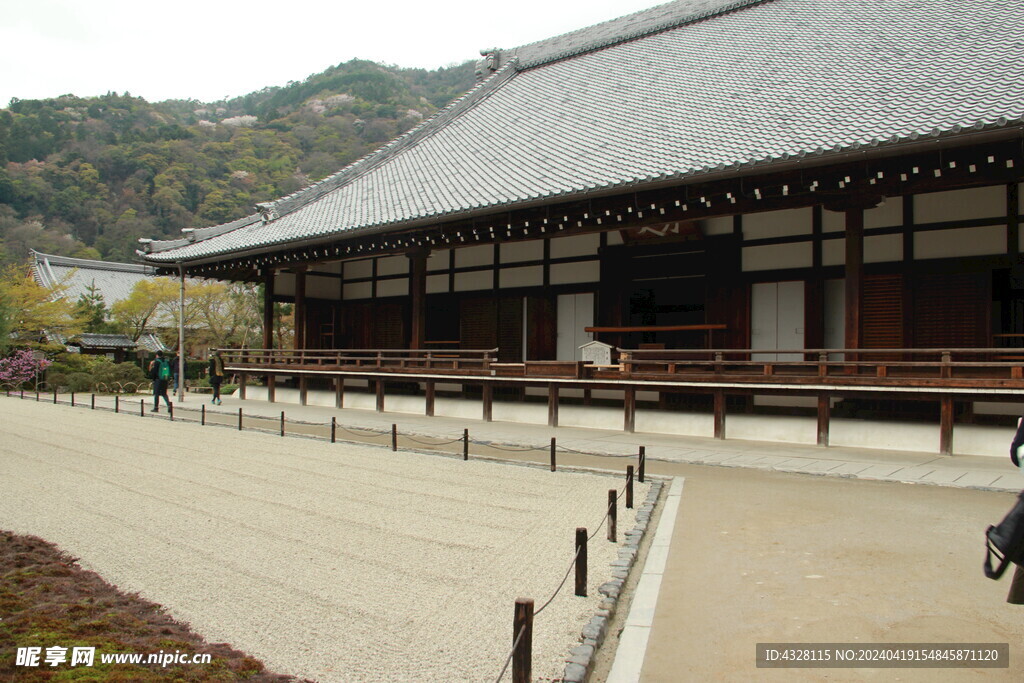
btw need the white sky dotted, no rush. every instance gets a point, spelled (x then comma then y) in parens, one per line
(211, 49)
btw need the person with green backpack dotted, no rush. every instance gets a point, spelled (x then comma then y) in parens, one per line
(160, 373)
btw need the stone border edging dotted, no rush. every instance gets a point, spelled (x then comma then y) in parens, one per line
(581, 658)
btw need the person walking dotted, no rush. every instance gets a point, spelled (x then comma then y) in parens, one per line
(216, 374)
(160, 373)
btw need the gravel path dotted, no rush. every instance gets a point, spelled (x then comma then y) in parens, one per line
(330, 562)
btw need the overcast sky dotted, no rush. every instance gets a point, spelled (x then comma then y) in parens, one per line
(211, 49)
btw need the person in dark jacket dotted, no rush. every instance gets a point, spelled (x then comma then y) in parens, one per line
(160, 373)
(216, 374)
(1018, 441)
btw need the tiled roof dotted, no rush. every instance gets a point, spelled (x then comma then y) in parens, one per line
(90, 340)
(113, 280)
(671, 93)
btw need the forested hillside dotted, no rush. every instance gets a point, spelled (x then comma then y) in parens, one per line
(87, 177)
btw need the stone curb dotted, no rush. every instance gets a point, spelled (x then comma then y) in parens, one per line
(581, 658)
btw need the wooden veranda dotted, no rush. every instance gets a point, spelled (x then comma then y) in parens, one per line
(943, 376)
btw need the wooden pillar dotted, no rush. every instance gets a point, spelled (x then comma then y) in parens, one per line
(488, 401)
(946, 426)
(339, 392)
(303, 389)
(242, 381)
(719, 398)
(418, 295)
(268, 308)
(428, 399)
(271, 386)
(629, 408)
(380, 395)
(824, 417)
(300, 307)
(553, 405)
(854, 276)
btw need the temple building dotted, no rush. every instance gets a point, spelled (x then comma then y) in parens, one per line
(112, 282)
(791, 217)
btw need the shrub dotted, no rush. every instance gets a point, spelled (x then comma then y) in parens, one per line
(20, 368)
(79, 382)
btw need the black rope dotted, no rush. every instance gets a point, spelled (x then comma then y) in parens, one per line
(430, 443)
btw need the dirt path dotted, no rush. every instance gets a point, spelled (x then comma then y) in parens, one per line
(765, 557)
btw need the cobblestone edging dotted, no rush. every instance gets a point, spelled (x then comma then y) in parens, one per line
(581, 657)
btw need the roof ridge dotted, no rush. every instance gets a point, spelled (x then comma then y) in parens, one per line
(639, 24)
(73, 262)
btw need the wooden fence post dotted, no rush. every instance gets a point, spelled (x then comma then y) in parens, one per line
(142, 407)
(581, 562)
(92, 402)
(334, 428)
(613, 514)
(394, 436)
(552, 454)
(72, 399)
(239, 419)
(643, 462)
(629, 487)
(282, 423)
(117, 403)
(522, 655)
(202, 415)
(465, 444)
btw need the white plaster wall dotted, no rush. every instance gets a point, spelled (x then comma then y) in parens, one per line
(886, 215)
(777, 223)
(398, 287)
(983, 440)
(357, 290)
(571, 273)
(877, 249)
(392, 265)
(513, 252)
(956, 205)
(514, 411)
(721, 225)
(665, 422)
(438, 260)
(413, 405)
(437, 284)
(322, 287)
(465, 282)
(526, 276)
(456, 407)
(892, 436)
(590, 417)
(960, 242)
(780, 428)
(284, 283)
(355, 269)
(776, 256)
(577, 245)
(474, 256)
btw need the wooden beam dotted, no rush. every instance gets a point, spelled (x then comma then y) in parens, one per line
(303, 389)
(418, 297)
(719, 397)
(824, 418)
(629, 408)
(268, 308)
(946, 426)
(380, 395)
(271, 388)
(339, 392)
(241, 385)
(300, 307)
(854, 276)
(429, 396)
(488, 401)
(552, 405)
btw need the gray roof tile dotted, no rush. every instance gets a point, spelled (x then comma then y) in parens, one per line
(766, 82)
